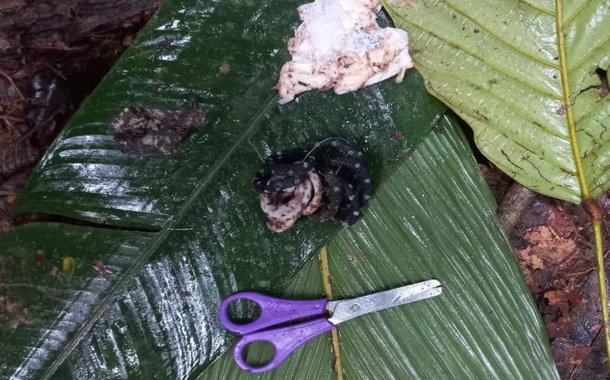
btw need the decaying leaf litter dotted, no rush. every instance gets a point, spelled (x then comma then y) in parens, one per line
(555, 234)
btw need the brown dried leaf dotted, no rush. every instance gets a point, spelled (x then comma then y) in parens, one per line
(547, 245)
(557, 297)
(578, 353)
(14, 313)
(561, 221)
(536, 262)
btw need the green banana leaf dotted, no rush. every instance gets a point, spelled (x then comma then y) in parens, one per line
(157, 243)
(433, 218)
(530, 77)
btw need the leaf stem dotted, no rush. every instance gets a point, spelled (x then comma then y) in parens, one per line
(334, 334)
(590, 205)
(601, 281)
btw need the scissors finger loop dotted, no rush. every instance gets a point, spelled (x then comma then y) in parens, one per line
(273, 311)
(284, 340)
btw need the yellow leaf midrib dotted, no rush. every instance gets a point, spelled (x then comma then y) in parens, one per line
(563, 69)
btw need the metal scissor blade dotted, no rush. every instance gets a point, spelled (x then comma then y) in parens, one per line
(352, 308)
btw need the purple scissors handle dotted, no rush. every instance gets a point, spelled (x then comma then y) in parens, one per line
(273, 312)
(284, 339)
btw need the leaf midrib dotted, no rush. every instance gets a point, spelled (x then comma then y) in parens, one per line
(567, 101)
(156, 241)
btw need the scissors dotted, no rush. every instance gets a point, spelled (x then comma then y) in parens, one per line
(286, 339)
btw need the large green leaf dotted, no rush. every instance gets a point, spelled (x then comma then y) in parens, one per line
(182, 231)
(538, 104)
(433, 218)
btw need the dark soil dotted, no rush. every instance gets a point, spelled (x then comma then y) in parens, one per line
(54, 53)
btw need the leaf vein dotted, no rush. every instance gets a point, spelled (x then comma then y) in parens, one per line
(592, 51)
(590, 111)
(507, 104)
(463, 49)
(576, 12)
(501, 133)
(598, 146)
(538, 8)
(482, 26)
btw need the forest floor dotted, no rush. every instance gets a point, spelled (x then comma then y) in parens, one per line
(53, 54)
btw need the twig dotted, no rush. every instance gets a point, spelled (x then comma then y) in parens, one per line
(11, 118)
(576, 274)
(11, 127)
(585, 243)
(10, 79)
(57, 72)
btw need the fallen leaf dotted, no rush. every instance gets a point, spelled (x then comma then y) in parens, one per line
(558, 329)
(101, 269)
(16, 313)
(557, 297)
(579, 353)
(398, 136)
(561, 222)
(548, 245)
(536, 262)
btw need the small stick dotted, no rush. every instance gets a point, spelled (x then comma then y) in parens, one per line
(10, 126)
(10, 118)
(57, 72)
(10, 79)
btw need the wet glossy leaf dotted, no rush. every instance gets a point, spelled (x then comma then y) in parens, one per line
(171, 236)
(530, 100)
(433, 218)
